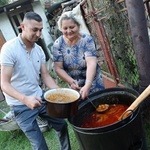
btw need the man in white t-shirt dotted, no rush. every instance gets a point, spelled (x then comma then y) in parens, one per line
(22, 60)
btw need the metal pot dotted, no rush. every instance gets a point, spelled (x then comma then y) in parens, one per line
(127, 134)
(60, 107)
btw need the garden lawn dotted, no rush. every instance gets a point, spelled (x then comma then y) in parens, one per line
(17, 140)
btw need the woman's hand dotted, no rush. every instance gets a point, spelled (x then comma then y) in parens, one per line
(74, 85)
(84, 91)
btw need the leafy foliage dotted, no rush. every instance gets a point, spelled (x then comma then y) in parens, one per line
(3, 2)
(118, 31)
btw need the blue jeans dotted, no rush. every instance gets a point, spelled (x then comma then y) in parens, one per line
(26, 119)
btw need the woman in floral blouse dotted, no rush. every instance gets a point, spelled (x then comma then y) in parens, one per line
(75, 60)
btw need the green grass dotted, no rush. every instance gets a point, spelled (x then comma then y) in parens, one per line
(17, 140)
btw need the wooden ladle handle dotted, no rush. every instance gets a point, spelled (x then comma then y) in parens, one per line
(136, 103)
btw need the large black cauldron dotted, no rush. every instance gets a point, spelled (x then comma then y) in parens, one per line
(127, 134)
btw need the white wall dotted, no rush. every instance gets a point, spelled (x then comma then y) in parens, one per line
(6, 27)
(9, 33)
(37, 7)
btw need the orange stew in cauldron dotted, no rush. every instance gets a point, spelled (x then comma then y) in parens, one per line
(108, 117)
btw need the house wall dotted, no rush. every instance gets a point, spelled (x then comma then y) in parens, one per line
(8, 32)
(37, 7)
(2, 39)
(6, 28)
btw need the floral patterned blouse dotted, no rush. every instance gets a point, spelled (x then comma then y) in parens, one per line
(73, 58)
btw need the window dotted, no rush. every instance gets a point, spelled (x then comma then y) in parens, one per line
(16, 16)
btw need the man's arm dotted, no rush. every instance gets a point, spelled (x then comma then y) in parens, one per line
(30, 101)
(47, 79)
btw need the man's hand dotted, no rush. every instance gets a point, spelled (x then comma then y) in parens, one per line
(32, 102)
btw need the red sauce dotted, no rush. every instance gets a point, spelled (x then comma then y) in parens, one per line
(108, 117)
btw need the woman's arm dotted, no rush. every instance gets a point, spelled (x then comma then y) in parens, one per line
(91, 69)
(90, 74)
(64, 76)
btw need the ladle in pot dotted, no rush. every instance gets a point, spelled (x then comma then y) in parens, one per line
(131, 108)
(136, 103)
(91, 102)
(101, 108)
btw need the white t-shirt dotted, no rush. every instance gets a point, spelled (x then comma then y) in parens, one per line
(25, 77)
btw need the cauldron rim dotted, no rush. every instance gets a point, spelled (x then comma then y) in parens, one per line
(106, 128)
(106, 92)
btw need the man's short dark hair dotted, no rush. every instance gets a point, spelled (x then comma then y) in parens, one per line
(33, 16)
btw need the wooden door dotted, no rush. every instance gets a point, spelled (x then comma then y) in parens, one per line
(2, 39)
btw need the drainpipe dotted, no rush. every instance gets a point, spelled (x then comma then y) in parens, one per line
(138, 26)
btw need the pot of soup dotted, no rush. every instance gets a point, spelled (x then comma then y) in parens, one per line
(106, 131)
(62, 102)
